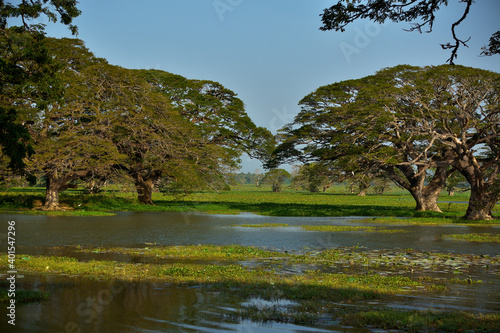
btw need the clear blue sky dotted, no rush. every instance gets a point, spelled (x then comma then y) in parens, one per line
(270, 52)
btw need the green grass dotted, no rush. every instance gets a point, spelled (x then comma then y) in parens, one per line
(245, 199)
(258, 280)
(193, 252)
(420, 321)
(262, 225)
(326, 228)
(476, 237)
(331, 228)
(427, 221)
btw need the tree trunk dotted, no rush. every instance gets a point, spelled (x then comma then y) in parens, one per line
(55, 185)
(484, 191)
(482, 201)
(425, 196)
(426, 199)
(480, 206)
(145, 186)
(52, 195)
(363, 188)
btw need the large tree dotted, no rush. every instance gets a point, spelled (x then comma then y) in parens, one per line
(213, 131)
(27, 71)
(347, 126)
(421, 14)
(313, 177)
(72, 135)
(276, 178)
(408, 122)
(456, 108)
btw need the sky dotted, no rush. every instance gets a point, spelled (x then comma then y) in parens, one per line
(270, 52)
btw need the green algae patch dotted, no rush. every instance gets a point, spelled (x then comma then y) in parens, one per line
(476, 237)
(262, 225)
(428, 321)
(325, 228)
(341, 228)
(429, 221)
(226, 273)
(193, 252)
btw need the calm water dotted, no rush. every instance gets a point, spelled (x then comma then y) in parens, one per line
(135, 229)
(79, 305)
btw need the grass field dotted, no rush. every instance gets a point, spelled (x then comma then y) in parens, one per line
(335, 202)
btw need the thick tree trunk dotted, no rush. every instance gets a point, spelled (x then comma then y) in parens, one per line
(55, 185)
(145, 186)
(425, 196)
(481, 202)
(484, 191)
(52, 195)
(426, 199)
(363, 188)
(480, 207)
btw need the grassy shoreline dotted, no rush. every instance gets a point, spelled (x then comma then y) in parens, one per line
(386, 208)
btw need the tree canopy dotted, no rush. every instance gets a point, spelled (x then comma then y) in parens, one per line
(421, 14)
(406, 122)
(146, 125)
(276, 178)
(27, 72)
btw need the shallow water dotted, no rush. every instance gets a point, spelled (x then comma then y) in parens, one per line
(136, 229)
(79, 305)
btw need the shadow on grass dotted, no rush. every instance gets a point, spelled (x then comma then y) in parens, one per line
(24, 199)
(294, 209)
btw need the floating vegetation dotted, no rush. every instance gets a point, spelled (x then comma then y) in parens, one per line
(424, 321)
(340, 228)
(350, 285)
(476, 237)
(262, 225)
(326, 228)
(428, 221)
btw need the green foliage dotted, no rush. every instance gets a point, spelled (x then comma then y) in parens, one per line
(421, 14)
(403, 122)
(313, 177)
(27, 71)
(476, 237)
(276, 178)
(65, 10)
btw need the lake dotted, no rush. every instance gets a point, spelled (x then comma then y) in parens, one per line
(114, 306)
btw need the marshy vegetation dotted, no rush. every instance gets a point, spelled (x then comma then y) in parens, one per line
(353, 286)
(345, 286)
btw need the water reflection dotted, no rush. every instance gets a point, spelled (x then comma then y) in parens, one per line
(80, 305)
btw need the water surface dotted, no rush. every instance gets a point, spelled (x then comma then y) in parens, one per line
(81, 305)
